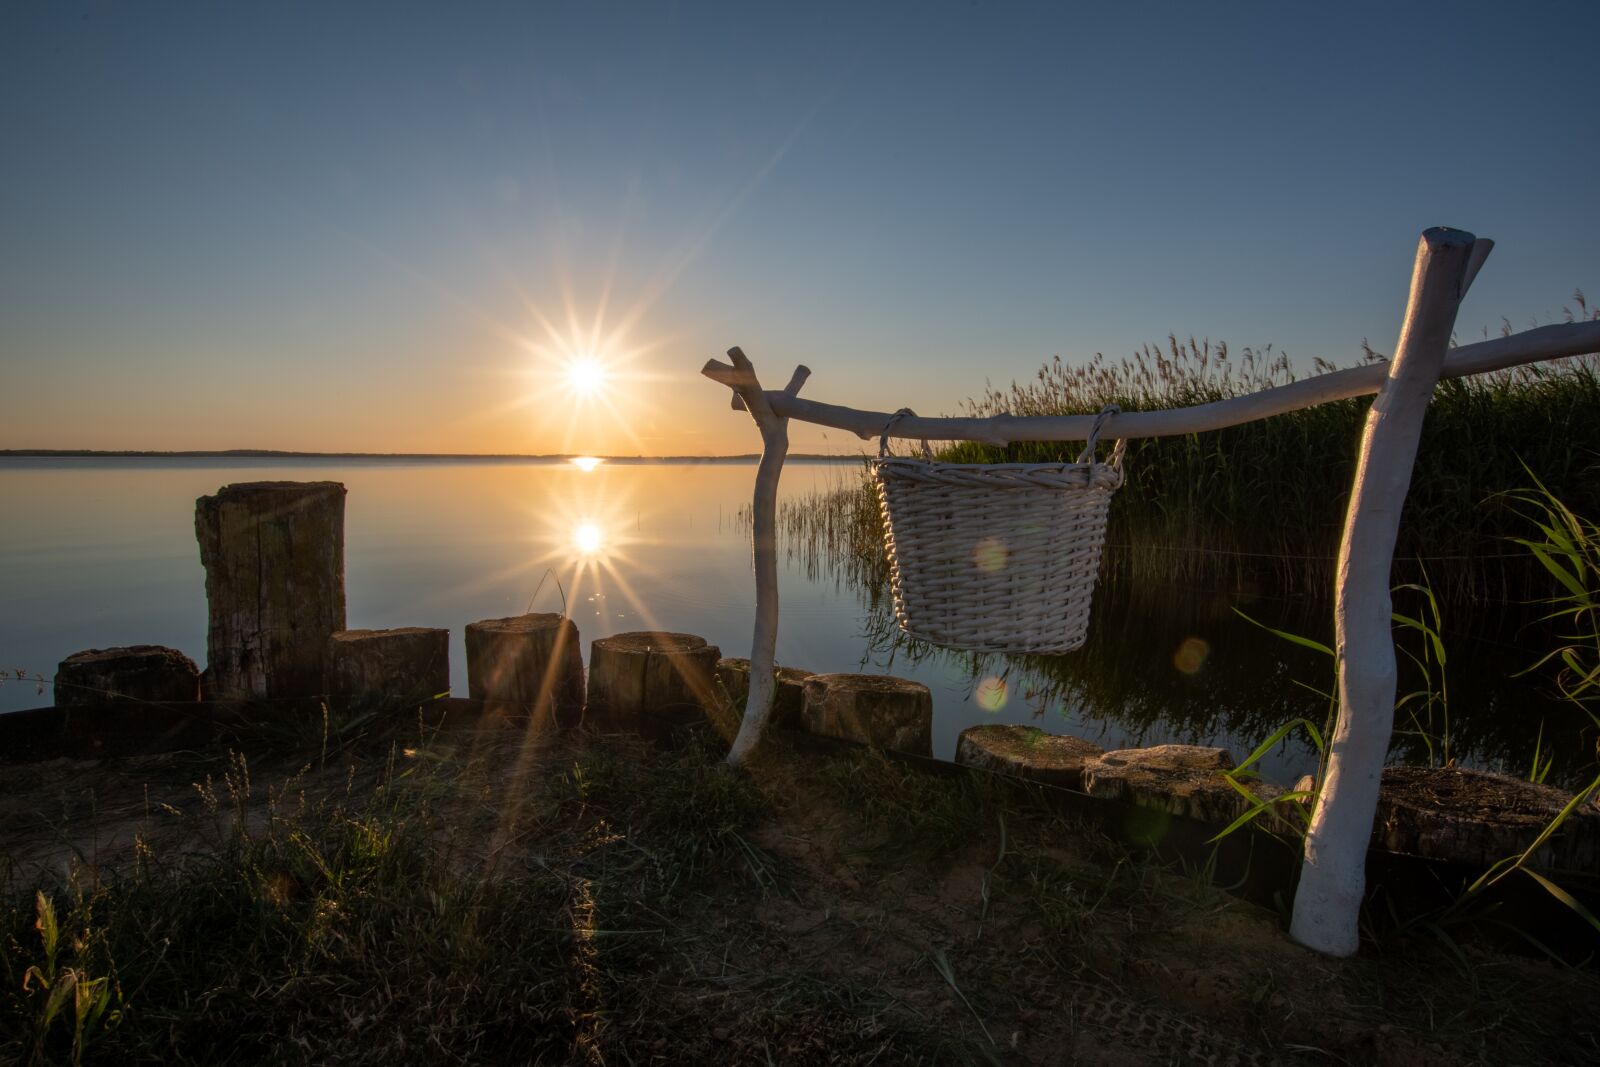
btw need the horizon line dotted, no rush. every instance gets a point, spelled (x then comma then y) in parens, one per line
(268, 453)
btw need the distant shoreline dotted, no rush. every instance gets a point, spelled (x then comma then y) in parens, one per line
(428, 457)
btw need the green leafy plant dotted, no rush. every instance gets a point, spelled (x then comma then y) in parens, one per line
(1426, 711)
(68, 993)
(1431, 698)
(1510, 865)
(1543, 759)
(1292, 808)
(1569, 551)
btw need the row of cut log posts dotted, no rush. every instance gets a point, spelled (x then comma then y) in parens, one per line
(657, 682)
(274, 559)
(273, 554)
(1333, 877)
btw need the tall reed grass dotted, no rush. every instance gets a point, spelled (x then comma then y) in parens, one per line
(1263, 503)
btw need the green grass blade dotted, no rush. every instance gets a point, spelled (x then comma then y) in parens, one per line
(1278, 735)
(1516, 863)
(1295, 639)
(1565, 897)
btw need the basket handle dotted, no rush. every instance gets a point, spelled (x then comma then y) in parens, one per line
(1087, 455)
(883, 442)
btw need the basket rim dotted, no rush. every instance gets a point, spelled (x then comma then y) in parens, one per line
(1058, 648)
(919, 462)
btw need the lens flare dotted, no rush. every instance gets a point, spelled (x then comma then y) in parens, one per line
(990, 555)
(1191, 655)
(991, 694)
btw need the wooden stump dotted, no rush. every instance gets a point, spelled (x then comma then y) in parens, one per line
(274, 559)
(789, 694)
(529, 661)
(650, 681)
(1181, 780)
(392, 669)
(1477, 818)
(1027, 752)
(871, 709)
(148, 673)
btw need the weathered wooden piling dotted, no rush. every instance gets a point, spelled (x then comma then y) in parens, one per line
(871, 709)
(650, 681)
(274, 559)
(1026, 752)
(391, 669)
(149, 673)
(532, 661)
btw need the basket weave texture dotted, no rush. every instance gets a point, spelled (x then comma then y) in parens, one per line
(996, 557)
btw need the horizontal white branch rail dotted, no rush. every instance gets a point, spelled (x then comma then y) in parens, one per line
(1532, 346)
(1332, 878)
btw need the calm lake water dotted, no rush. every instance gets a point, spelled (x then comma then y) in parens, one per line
(101, 552)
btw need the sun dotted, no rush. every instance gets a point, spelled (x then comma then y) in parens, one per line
(583, 384)
(586, 376)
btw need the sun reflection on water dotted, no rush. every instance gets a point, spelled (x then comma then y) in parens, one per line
(587, 538)
(589, 534)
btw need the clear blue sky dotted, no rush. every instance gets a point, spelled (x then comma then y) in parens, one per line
(342, 226)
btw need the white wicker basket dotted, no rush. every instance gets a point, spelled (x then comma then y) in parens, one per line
(995, 557)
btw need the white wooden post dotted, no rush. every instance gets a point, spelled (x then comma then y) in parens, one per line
(1333, 871)
(741, 378)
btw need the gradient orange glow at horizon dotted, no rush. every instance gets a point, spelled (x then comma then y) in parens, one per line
(252, 227)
